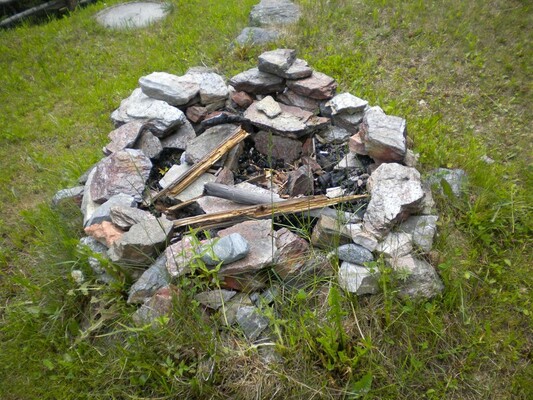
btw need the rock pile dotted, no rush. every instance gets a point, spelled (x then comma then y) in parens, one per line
(303, 143)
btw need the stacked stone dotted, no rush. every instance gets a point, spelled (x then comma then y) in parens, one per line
(286, 106)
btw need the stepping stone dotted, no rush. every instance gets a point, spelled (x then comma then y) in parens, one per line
(256, 36)
(132, 15)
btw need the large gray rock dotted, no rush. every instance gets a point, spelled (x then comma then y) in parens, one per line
(174, 90)
(153, 279)
(124, 136)
(256, 36)
(362, 237)
(274, 12)
(292, 122)
(213, 88)
(181, 138)
(142, 242)
(298, 70)
(125, 171)
(333, 135)
(358, 279)
(354, 254)
(162, 117)
(350, 122)
(318, 86)
(103, 212)
(125, 217)
(291, 98)
(422, 228)
(149, 144)
(225, 250)
(257, 82)
(330, 232)
(258, 234)
(346, 103)
(417, 277)
(212, 138)
(455, 178)
(74, 194)
(395, 245)
(396, 192)
(251, 321)
(276, 61)
(384, 135)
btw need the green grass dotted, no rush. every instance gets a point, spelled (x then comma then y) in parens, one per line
(459, 72)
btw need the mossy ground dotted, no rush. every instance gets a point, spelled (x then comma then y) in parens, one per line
(459, 72)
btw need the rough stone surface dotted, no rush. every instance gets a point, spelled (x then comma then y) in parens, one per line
(256, 36)
(278, 147)
(142, 242)
(202, 145)
(350, 122)
(74, 194)
(258, 234)
(257, 82)
(384, 135)
(173, 173)
(125, 217)
(242, 99)
(157, 306)
(274, 12)
(214, 299)
(358, 279)
(356, 145)
(149, 144)
(350, 161)
(88, 205)
(423, 229)
(317, 86)
(455, 178)
(329, 232)
(333, 135)
(225, 250)
(153, 279)
(291, 253)
(276, 61)
(105, 232)
(162, 117)
(419, 278)
(300, 182)
(291, 98)
(298, 70)
(396, 192)
(362, 237)
(396, 244)
(354, 254)
(293, 121)
(213, 88)
(196, 113)
(172, 89)
(247, 282)
(179, 256)
(179, 140)
(269, 107)
(195, 189)
(346, 103)
(103, 213)
(123, 137)
(251, 321)
(125, 171)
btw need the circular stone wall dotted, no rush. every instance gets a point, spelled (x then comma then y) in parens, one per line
(132, 15)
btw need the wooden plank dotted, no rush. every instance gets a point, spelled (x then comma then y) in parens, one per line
(290, 206)
(203, 165)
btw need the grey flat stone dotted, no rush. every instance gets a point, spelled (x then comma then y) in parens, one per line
(346, 103)
(317, 86)
(256, 36)
(269, 107)
(153, 279)
(418, 278)
(125, 171)
(162, 117)
(103, 212)
(213, 88)
(136, 14)
(173, 89)
(142, 242)
(212, 138)
(181, 138)
(362, 237)
(251, 321)
(354, 254)
(396, 244)
(423, 229)
(276, 61)
(88, 205)
(455, 178)
(123, 137)
(74, 194)
(350, 122)
(350, 161)
(149, 144)
(330, 232)
(334, 135)
(278, 147)
(298, 70)
(358, 279)
(125, 217)
(173, 173)
(214, 299)
(396, 192)
(383, 135)
(225, 250)
(291, 98)
(274, 12)
(257, 82)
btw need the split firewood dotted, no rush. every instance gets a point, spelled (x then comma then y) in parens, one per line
(203, 165)
(291, 206)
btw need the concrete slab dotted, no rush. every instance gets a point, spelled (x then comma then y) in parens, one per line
(136, 14)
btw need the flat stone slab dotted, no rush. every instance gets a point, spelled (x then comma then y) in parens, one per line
(255, 36)
(257, 82)
(274, 12)
(137, 14)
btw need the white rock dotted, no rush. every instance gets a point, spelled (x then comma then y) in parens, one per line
(423, 229)
(346, 103)
(170, 88)
(418, 278)
(396, 244)
(358, 279)
(213, 88)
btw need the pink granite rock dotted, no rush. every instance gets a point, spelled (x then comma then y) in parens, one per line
(106, 232)
(317, 86)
